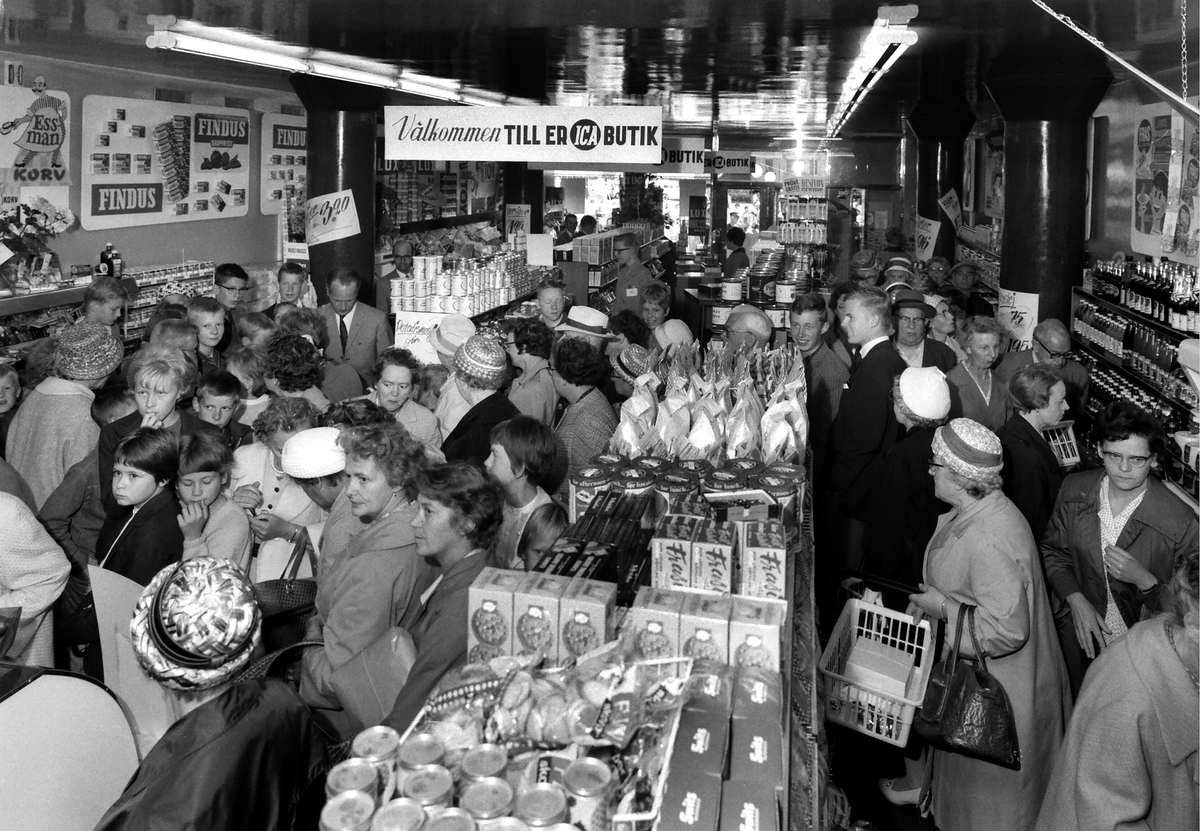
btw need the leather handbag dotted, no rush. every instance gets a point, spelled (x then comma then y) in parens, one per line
(965, 709)
(288, 603)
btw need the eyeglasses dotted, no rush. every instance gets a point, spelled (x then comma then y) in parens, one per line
(1054, 356)
(1134, 462)
(934, 464)
(235, 289)
(619, 250)
(911, 321)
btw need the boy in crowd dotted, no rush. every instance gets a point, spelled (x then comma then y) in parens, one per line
(249, 367)
(208, 316)
(522, 454)
(231, 282)
(254, 330)
(218, 397)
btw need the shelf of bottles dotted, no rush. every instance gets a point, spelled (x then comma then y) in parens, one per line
(1164, 294)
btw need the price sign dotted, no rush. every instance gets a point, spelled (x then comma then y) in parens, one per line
(951, 206)
(331, 217)
(927, 231)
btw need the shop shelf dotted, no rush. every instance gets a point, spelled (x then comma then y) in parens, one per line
(1158, 326)
(36, 301)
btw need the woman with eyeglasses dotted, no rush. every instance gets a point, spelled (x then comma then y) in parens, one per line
(1114, 538)
(397, 373)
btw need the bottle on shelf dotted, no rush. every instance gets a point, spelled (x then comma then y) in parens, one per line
(105, 267)
(116, 264)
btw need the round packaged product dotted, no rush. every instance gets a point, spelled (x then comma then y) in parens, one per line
(379, 746)
(583, 487)
(794, 473)
(612, 461)
(460, 286)
(588, 783)
(348, 811)
(720, 314)
(723, 481)
(785, 292)
(697, 467)
(408, 304)
(423, 303)
(634, 481)
(484, 761)
(779, 317)
(503, 824)
(653, 464)
(541, 805)
(421, 749)
(731, 290)
(487, 798)
(401, 814)
(783, 491)
(671, 489)
(353, 775)
(431, 786)
(744, 467)
(451, 819)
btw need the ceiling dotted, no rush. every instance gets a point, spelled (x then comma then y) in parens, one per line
(757, 71)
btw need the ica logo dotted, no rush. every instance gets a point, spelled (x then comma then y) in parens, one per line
(585, 134)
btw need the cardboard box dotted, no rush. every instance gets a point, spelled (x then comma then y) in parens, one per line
(756, 750)
(691, 799)
(749, 806)
(702, 742)
(671, 552)
(555, 561)
(755, 629)
(704, 627)
(490, 613)
(710, 687)
(713, 556)
(762, 561)
(653, 622)
(758, 693)
(535, 615)
(879, 667)
(586, 617)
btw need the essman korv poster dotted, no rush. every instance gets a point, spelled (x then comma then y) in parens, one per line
(34, 150)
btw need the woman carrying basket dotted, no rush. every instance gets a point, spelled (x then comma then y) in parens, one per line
(983, 554)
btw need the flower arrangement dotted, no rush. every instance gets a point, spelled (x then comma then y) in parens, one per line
(26, 230)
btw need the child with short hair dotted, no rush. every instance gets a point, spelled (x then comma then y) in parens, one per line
(250, 368)
(433, 378)
(545, 525)
(522, 454)
(211, 523)
(255, 329)
(218, 397)
(208, 316)
(10, 394)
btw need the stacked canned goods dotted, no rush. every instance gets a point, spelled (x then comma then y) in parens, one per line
(468, 286)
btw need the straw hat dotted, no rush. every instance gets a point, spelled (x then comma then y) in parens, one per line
(630, 363)
(88, 350)
(482, 360)
(451, 333)
(584, 320)
(968, 448)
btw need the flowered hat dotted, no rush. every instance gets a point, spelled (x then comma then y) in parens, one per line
(968, 448)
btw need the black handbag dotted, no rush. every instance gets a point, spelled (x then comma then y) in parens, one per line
(965, 709)
(288, 603)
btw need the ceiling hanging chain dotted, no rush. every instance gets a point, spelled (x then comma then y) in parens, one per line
(1163, 90)
(1183, 45)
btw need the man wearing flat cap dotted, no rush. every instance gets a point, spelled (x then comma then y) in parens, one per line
(911, 315)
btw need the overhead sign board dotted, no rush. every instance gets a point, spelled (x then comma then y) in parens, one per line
(729, 164)
(626, 135)
(805, 186)
(680, 156)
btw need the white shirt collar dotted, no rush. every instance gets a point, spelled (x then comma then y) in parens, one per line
(349, 318)
(869, 345)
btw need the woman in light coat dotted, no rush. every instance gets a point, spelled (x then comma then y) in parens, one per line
(33, 572)
(983, 554)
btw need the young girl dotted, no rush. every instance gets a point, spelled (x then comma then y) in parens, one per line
(210, 522)
(10, 393)
(545, 525)
(249, 367)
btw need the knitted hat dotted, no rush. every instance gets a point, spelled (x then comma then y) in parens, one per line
(630, 363)
(196, 624)
(87, 350)
(912, 299)
(867, 258)
(925, 393)
(584, 320)
(968, 448)
(482, 359)
(450, 334)
(311, 454)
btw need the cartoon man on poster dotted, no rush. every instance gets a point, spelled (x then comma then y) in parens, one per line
(46, 130)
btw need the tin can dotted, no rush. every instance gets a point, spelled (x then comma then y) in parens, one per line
(348, 811)
(785, 292)
(401, 814)
(484, 761)
(588, 783)
(461, 284)
(652, 464)
(421, 749)
(612, 461)
(487, 798)
(379, 746)
(697, 467)
(783, 491)
(731, 290)
(431, 786)
(408, 304)
(503, 824)
(778, 316)
(541, 805)
(672, 487)
(634, 481)
(423, 286)
(744, 467)
(353, 775)
(723, 481)
(720, 314)
(583, 487)
(794, 473)
(451, 819)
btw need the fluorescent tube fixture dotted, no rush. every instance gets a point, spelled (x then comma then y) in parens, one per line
(411, 85)
(885, 43)
(353, 76)
(163, 39)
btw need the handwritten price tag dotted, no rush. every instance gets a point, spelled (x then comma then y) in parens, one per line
(951, 206)
(331, 217)
(927, 231)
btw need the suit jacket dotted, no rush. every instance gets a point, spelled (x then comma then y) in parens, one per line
(367, 337)
(1075, 376)
(825, 377)
(1031, 473)
(471, 438)
(966, 401)
(864, 429)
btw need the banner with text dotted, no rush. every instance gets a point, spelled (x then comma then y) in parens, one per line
(629, 135)
(679, 156)
(412, 333)
(1018, 314)
(35, 147)
(331, 217)
(729, 164)
(284, 170)
(950, 204)
(154, 162)
(927, 231)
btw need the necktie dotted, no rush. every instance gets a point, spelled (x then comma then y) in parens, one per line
(342, 333)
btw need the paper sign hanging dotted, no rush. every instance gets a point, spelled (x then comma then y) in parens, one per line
(1018, 314)
(330, 217)
(951, 206)
(927, 232)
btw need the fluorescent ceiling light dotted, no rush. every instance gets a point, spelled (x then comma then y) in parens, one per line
(408, 84)
(482, 97)
(431, 81)
(887, 40)
(228, 51)
(353, 76)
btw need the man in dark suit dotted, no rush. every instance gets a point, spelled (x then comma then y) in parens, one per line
(866, 424)
(358, 333)
(1051, 346)
(911, 315)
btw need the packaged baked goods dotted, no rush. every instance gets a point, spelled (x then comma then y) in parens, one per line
(704, 627)
(652, 624)
(490, 613)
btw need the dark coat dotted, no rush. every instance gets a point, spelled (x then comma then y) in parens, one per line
(825, 378)
(111, 435)
(471, 438)
(1075, 377)
(238, 434)
(252, 758)
(864, 429)
(904, 511)
(152, 541)
(1031, 473)
(939, 355)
